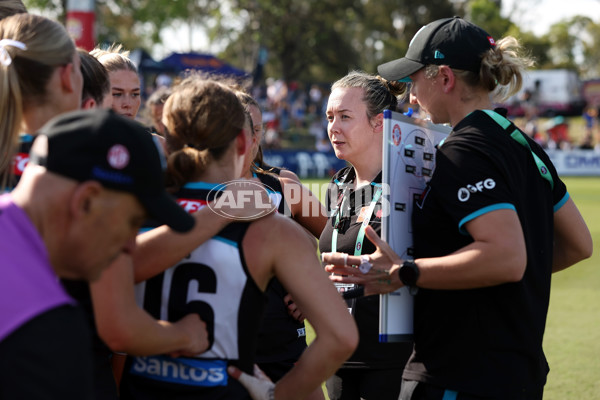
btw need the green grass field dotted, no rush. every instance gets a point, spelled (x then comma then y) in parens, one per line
(572, 340)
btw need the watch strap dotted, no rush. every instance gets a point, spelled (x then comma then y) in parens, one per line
(409, 274)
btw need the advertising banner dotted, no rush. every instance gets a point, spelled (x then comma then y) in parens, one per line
(80, 23)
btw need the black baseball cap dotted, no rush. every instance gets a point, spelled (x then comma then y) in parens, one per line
(115, 151)
(449, 41)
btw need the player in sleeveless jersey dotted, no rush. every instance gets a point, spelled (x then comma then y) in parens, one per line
(282, 337)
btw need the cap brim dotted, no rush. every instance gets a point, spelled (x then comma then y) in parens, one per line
(165, 210)
(399, 69)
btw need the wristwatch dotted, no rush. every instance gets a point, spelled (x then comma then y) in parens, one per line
(409, 274)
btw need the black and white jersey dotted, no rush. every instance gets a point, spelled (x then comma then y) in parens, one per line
(212, 281)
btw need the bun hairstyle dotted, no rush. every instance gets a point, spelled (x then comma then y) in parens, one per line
(396, 88)
(501, 69)
(202, 118)
(379, 93)
(26, 71)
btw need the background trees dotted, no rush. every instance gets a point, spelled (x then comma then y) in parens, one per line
(319, 40)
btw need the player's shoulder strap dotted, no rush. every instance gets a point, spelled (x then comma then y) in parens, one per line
(516, 134)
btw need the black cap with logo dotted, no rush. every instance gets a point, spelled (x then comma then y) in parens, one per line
(118, 152)
(449, 41)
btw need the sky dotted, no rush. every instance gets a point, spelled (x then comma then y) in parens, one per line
(538, 15)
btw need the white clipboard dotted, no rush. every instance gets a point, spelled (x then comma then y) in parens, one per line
(408, 162)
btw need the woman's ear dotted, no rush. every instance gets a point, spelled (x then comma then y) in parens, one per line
(88, 104)
(66, 77)
(447, 78)
(378, 123)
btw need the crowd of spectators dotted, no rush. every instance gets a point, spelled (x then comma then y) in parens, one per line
(292, 107)
(558, 132)
(562, 133)
(295, 109)
(290, 111)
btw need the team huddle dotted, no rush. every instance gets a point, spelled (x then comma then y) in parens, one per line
(122, 280)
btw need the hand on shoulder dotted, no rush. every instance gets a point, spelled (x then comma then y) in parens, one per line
(243, 199)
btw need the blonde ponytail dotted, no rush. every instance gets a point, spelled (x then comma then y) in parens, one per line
(47, 45)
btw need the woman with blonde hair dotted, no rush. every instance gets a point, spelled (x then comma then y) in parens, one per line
(492, 225)
(224, 279)
(40, 77)
(124, 79)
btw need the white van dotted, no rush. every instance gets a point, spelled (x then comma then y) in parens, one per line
(552, 91)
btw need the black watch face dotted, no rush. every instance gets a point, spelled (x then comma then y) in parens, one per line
(408, 273)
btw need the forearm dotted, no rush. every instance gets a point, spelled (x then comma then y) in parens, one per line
(121, 323)
(141, 335)
(311, 214)
(476, 265)
(161, 248)
(314, 224)
(572, 238)
(497, 255)
(163, 337)
(564, 257)
(560, 259)
(305, 207)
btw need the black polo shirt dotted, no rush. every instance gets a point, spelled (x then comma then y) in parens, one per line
(370, 353)
(485, 341)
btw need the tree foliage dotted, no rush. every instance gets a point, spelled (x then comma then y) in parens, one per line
(590, 46)
(535, 47)
(56, 7)
(320, 40)
(575, 45)
(135, 23)
(390, 24)
(303, 39)
(486, 13)
(324, 39)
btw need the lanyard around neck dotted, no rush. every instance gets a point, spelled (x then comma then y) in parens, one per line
(358, 246)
